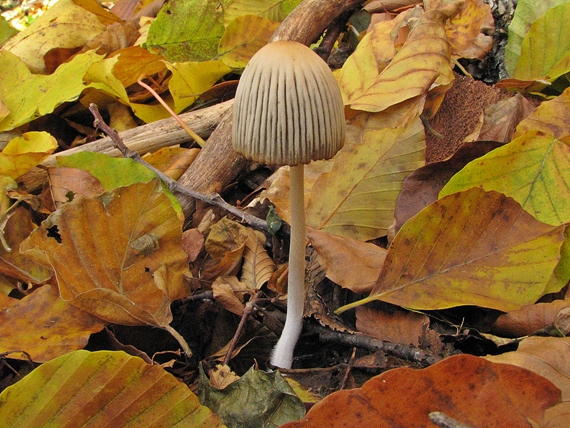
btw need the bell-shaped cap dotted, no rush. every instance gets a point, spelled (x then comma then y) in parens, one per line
(288, 108)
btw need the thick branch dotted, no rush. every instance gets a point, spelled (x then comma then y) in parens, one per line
(142, 139)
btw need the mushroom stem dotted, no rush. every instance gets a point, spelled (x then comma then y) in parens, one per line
(283, 352)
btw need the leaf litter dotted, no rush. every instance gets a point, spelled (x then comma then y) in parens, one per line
(103, 243)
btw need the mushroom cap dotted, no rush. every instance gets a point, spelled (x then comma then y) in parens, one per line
(288, 108)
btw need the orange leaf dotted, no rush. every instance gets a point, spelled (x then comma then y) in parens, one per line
(117, 256)
(468, 389)
(45, 326)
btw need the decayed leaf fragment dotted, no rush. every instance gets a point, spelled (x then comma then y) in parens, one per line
(112, 253)
(470, 248)
(504, 395)
(420, 66)
(102, 389)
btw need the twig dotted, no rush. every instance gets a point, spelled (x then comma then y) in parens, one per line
(249, 307)
(442, 420)
(173, 186)
(407, 352)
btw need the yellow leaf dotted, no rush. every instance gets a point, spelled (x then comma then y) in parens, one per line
(106, 251)
(102, 389)
(551, 117)
(25, 152)
(268, 9)
(417, 68)
(190, 79)
(243, 38)
(358, 196)
(68, 24)
(470, 248)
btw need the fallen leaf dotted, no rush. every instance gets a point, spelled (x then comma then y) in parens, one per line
(358, 196)
(102, 389)
(398, 326)
(13, 263)
(67, 24)
(243, 37)
(257, 266)
(257, 399)
(23, 153)
(341, 257)
(526, 12)
(268, 9)
(28, 96)
(186, 31)
(45, 326)
(501, 258)
(501, 119)
(229, 291)
(417, 68)
(112, 274)
(551, 117)
(68, 183)
(528, 319)
(538, 60)
(533, 169)
(505, 396)
(422, 186)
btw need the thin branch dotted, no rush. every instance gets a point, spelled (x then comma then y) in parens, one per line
(173, 186)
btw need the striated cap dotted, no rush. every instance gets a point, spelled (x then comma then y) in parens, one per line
(288, 108)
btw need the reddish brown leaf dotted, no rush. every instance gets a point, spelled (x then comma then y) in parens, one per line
(468, 389)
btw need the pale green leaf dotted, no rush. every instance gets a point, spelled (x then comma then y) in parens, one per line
(533, 169)
(526, 12)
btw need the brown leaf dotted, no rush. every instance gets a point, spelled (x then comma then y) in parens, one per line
(107, 250)
(505, 396)
(257, 266)
(342, 257)
(228, 292)
(399, 326)
(528, 319)
(45, 326)
(68, 183)
(501, 119)
(422, 186)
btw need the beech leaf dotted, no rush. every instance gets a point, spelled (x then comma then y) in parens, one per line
(358, 196)
(102, 389)
(417, 68)
(533, 169)
(112, 253)
(500, 258)
(45, 326)
(506, 396)
(25, 152)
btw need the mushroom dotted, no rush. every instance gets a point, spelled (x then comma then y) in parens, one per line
(288, 110)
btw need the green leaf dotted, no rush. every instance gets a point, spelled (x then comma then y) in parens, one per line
(111, 172)
(470, 248)
(101, 389)
(6, 31)
(187, 30)
(526, 12)
(268, 9)
(545, 51)
(257, 399)
(533, 169)
(28, 96)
